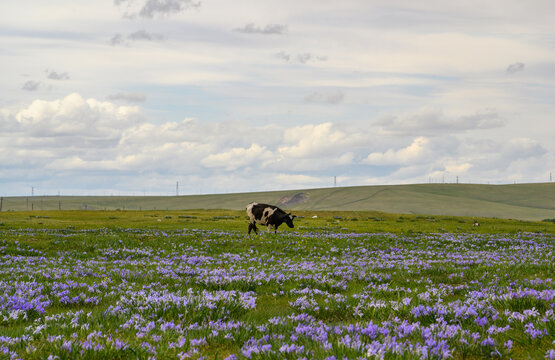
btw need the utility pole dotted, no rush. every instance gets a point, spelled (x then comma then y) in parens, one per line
(177, 188)
(334, 181)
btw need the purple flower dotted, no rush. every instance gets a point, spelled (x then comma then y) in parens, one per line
(532, 331)
(509, 344)
(120, 345)
(148, 347)
(66, 345)
(285, 348)
(488, 342)
(198, 342)
(481, 321)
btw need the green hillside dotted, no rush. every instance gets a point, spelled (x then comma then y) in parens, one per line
(520, 201)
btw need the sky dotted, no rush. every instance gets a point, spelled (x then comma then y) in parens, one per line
(134, 97)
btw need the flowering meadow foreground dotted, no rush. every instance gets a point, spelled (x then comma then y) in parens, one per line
(205, 294)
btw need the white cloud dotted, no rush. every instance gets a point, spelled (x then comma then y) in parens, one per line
(295, 180)
(426, 69)
(432, 121)
(457, 167)
(237, 157)
(73, 135)
(318, 140)
(417, 152)
(73, 116)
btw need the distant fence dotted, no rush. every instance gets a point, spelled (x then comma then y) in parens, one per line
(40, 203)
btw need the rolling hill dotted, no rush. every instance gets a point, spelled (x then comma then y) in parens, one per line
(519, 201)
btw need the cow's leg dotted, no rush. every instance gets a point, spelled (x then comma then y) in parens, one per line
(252, 227)
(269, 228)
(275, 232)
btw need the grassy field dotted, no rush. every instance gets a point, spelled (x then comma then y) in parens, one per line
(520, 201)
(191, 284)
(236, 220)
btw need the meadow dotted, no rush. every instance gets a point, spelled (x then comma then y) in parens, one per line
(354, 285)
(533, 202)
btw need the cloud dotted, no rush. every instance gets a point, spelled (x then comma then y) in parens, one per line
(117, 39)
(334, 97)
(166, 7)
(306, 57)
(77, 133)
(53, 75)
(31, 85)
(417, 152)
(74, 136)
(143, 35)
(237, 157)
(296, 180)
(270, 29)
(153, 8)
(493, 159)
(514, 68)
(139, 35)
(432, 121)
(320, 140)
(523, 148)
(302, 58)
(283, 56)
(129, 97)
(72, 116)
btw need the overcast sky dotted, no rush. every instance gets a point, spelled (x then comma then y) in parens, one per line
(131, 96)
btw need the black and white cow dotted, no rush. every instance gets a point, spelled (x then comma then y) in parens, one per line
(269, 215)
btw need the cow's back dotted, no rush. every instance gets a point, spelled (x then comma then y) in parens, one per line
(260, 213)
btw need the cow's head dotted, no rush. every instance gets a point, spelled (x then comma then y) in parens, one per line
(288, 219)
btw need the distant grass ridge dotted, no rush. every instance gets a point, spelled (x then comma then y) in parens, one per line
(518, 201)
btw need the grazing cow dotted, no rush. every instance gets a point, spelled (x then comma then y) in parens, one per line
(268, 215)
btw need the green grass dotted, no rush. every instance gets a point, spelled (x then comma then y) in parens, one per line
(308, 221)
(519, 201)
(154, 251)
